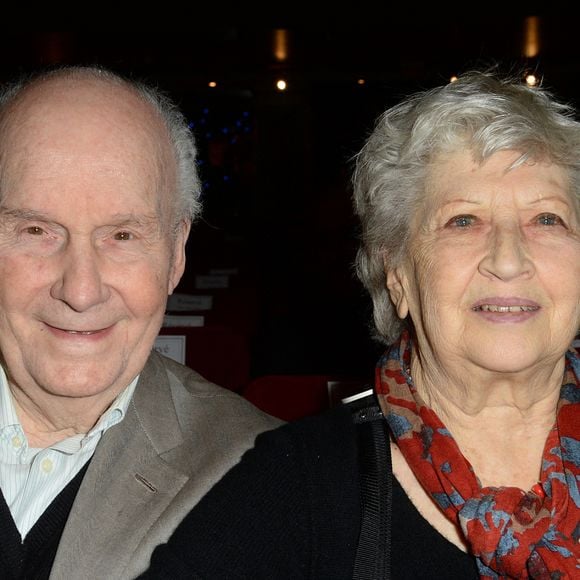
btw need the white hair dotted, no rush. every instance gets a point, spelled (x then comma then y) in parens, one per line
(480, 112)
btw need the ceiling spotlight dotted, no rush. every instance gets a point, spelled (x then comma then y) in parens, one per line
(531, 80)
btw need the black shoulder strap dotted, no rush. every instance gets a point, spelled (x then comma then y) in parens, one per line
(374, 547)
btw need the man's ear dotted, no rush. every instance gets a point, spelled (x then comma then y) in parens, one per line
(396, 284)
(178, 255)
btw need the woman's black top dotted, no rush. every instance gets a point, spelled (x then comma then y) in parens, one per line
(291, 509)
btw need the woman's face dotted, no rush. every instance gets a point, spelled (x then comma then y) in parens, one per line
(493, 273)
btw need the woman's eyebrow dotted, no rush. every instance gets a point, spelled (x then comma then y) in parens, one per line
(556, 198)
(461, 200)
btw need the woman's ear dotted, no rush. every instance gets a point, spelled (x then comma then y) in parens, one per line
(396, 285)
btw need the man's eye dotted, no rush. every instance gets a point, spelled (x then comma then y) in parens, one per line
(34, 230)
(461, 221)
(549, 219)
(123, 236)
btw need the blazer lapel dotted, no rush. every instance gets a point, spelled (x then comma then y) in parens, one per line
(127, 485)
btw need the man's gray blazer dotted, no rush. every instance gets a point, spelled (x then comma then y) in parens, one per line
(179, 436)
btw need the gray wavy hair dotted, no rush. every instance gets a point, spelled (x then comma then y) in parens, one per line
(481, 112)
(187, 205)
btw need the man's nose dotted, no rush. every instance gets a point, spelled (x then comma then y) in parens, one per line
(80, 281)
(507, 257)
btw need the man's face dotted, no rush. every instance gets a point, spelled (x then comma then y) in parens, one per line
(86, 259)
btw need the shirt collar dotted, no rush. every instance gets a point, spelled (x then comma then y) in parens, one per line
(8, 416)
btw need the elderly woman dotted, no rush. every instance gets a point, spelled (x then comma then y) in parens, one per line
(469, 198)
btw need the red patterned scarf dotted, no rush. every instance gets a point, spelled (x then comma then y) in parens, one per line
(512, 533)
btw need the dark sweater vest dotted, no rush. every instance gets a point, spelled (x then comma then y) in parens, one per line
(33, 558)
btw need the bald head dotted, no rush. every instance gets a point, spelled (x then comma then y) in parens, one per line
(93, 227)
(88, 107)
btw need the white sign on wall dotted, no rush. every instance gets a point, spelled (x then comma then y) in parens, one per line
(172, 320)
(188, 302)
(212, 281)
(171, 346)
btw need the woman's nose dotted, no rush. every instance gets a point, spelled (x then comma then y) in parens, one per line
(507, 256)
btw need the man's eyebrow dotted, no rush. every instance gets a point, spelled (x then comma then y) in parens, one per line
(24, 213)
(116, 219)
(139, 220)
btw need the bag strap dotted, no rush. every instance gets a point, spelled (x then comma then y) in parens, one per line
(373, 554)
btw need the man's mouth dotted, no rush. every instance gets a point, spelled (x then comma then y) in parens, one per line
(83, 332)
(77, 332)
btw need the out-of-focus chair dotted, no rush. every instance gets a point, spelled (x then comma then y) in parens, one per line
(291, 397)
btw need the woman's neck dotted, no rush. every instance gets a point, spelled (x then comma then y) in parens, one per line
(499, 421)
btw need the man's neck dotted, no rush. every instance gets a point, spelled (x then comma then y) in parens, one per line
(45, 424)
(46, 419)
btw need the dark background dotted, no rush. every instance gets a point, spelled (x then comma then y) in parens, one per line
(276, 165)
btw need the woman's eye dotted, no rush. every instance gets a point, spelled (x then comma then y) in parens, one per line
(461, 221)
(123, 236)
(549, 219)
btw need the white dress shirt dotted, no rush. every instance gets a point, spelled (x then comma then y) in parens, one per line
(31, 478)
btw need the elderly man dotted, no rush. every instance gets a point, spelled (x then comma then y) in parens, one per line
(104, 445)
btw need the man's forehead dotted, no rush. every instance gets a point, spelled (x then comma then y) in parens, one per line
(75, 126)
(85, 112)
(67, 101)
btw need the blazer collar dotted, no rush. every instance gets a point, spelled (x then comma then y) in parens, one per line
(128, 484)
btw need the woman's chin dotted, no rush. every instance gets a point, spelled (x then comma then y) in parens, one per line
(500, 357)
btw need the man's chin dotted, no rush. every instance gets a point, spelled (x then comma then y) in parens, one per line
(78, 380)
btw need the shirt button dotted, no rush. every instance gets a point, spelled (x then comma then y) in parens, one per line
(16, 441)
(46, 465)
